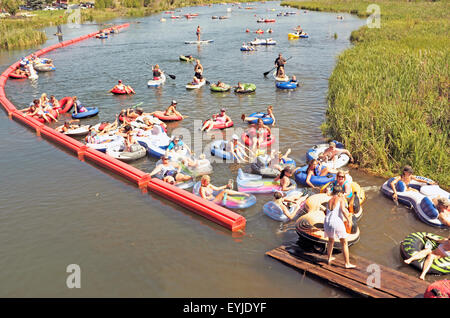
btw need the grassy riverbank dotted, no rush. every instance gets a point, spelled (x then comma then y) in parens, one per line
(22, 32)
(388, 95)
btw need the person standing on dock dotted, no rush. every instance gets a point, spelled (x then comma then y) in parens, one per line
(334, 226)
(198, 33)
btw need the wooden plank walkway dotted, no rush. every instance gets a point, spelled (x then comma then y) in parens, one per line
(392, 283)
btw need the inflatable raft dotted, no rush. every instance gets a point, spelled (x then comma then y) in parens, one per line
(300, 177)
(102, 142)
(416, 242)
(272, 210)
(262, 166)
(218, 149)
(419, 200)
(136, 152)
(250, 183)
(44, 67)
(80, 131)
(244, 201)
(221, 125)
(17, 76)
(91, 111)
(341, 161)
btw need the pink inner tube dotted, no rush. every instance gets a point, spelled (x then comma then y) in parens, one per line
(268, 139)
(160, 115)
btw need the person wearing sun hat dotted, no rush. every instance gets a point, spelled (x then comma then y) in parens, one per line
(237, 149)
(172, 110)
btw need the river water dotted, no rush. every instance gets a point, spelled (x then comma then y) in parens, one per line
(56, 210)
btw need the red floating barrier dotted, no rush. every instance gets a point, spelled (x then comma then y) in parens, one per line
(207, 209)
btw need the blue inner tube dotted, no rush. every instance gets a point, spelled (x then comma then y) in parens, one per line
(300, 177)
(286, 85)
(91, 111)
(265, 117)
(217, 149)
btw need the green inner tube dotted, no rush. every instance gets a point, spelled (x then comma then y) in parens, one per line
(248, 88)
(186, 59)
(214, 88)
(415, 242)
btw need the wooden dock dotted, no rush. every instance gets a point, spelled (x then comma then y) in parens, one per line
(388, 284)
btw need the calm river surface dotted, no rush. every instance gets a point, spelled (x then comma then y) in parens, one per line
(56, 210)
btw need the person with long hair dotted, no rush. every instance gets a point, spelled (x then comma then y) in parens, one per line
(334, 227)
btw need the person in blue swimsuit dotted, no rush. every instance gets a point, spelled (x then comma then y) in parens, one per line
(315, 168)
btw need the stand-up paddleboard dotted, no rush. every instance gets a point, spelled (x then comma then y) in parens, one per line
(194, 86)
(198, 42)
(157, 82)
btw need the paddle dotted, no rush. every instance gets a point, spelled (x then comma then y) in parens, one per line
(265, 73)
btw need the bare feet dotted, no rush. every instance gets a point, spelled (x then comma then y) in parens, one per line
(350, 266)
(422, 277)
(330, 260)
(407, 261)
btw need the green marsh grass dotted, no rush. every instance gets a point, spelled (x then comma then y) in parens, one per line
(389, 94)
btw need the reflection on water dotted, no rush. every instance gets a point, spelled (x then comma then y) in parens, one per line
(56, 210)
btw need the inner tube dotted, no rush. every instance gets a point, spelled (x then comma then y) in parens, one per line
(272, 210)
(247, 48)
(244, 201)
(438, 289)
(267, 120)
(311, 227)
(160, 115)
(117, 91)
(117, 151)
(261, 166)
(17, 76)
(91, 111)
(250, 184)
(268, 139)
(314, 152)
(53, 112)
(218, 149)
(44, 67)
(66, 104)
(215, 88)
(103, 142)
(286, 85)
(80, 131)
(220, 125)
(415, 242)
(246, 88)
(186, 59)
(300, 177)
